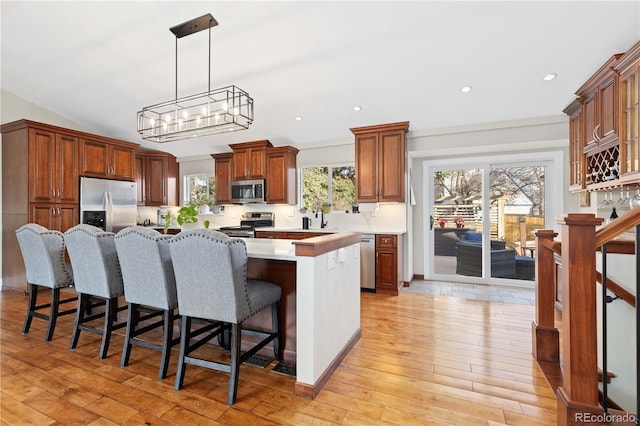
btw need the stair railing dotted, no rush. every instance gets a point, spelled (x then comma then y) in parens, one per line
(573, 263)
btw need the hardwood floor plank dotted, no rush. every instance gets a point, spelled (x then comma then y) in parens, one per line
(416, 402)
(185, 398)
(180, 415)
(524, 397)
(111, 409)
(542, 390)
(238, 417)
(18, 388)
(351, 404)
(14, 412)
(430, 415)
(103, 422)
(287, 416)
(59, 409)
(421, 360)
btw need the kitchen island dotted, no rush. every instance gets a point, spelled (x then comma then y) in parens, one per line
(320, 305)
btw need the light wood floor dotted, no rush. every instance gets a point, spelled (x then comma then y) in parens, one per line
(422, 359)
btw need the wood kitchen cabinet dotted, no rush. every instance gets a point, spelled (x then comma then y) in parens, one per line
(106, 159)
(603, 126)
(289, 235)
(380, 162)
(249, 160)
(157, 175)
(223, 177)
(258, 160)
(60, 217)
(600, 107)
(389, 260)
(281, 175)
(41, 167)
(140, 179)
(629, 68)
(53, 167)
(577, 167)
(272, 235)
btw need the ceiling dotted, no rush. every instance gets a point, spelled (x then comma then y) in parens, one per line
(99, 62)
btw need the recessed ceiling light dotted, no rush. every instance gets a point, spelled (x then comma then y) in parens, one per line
(466, 89)
(298, 118)
(550, 77)
(357, 108)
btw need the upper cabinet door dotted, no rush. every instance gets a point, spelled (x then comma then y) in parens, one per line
(123, 162)
(367, 168)
(104, 160)
(240, 162)
(157, 175)
(249, 160)
(380, 162)
(629, 114)
(156, 169)
(53, 167)
(600, 108)
(42, 152)
(391, 150)
(281, 175)
(577, 168)
(140, 180)
(223, 177)
(94, 157)
(67, 163)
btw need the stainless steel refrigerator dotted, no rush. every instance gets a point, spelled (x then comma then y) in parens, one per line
(108, 204)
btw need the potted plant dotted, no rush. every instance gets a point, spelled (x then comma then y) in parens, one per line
(187, 214)
(326, 207)
(459, 221)
(442, 221)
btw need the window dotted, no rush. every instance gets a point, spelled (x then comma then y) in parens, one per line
(317, 188)
(199, 190)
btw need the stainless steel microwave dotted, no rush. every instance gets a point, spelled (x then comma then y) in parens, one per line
(248, 191)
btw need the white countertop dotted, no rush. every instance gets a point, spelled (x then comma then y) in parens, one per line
(334, 230)
(262, 248)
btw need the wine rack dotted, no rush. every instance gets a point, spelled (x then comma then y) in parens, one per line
(603, 169)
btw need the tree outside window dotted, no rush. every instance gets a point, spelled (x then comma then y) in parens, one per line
(318, 189)
(200, 190)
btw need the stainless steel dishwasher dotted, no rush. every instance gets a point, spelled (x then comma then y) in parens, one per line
(368, 262)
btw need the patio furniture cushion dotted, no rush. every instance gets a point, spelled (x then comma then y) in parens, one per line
(469, 260)
(525, 268)
(472, 236)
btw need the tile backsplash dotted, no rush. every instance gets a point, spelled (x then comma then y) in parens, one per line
(372, 217)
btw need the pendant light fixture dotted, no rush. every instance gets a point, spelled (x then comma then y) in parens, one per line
(215, 111)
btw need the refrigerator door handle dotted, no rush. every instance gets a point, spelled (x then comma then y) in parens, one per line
(108, 211)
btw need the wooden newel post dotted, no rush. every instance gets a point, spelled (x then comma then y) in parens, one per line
(579, 339)
(546, 343)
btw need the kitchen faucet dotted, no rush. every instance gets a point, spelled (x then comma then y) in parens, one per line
(322, 222)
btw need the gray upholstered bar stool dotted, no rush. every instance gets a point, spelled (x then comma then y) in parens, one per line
(212, 284)
(149, 289)
(97, 275)
(43, 255)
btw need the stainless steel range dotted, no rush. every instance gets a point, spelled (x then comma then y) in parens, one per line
(249, 221)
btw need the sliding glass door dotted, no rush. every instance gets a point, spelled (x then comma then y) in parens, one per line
(482, 217)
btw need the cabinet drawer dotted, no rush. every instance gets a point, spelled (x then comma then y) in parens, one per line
(388, 241)
(268, 234)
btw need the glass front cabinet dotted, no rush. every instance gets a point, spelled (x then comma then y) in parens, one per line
(604, 147)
